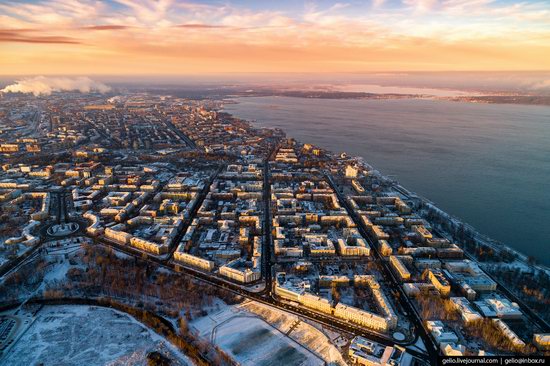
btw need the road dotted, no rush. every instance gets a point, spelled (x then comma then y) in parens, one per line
(389, 275)
(267, 245)
(178, 132)
(193, 212)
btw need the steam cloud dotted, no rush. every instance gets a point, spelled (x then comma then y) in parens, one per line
(42, 85)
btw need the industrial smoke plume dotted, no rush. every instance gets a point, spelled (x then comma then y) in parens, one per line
(42, 85)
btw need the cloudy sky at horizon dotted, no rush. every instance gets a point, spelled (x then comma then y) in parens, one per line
(194, 37)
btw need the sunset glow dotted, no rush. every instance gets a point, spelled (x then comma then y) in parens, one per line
(181, 37)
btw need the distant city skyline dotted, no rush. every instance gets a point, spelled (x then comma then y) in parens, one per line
(164, 37)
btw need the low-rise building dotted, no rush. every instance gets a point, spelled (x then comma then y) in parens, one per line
(500, 307)
(441, 283)
(399, 267)
(95, 228)
(354, 247)
(441, 333)
(509, 333)
(361, 317)
(193, 261)
(117, 234)
(365, 352)
(240, 271)
(465, 309)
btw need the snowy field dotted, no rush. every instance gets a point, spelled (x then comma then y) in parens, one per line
(323, 342)
(250, 340)
(87, 335)
(4, 252)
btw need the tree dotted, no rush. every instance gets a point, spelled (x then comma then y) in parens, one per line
(335, 294)
(157, 359)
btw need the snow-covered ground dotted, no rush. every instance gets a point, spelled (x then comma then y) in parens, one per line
(87, 335)
(312, 335)
(19, 250)
(255, 334)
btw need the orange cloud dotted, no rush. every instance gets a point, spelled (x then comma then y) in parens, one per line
(53, 36)
(200, 26)
(105, 27)
(23, 36)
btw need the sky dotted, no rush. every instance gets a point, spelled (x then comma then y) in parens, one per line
(172, 37)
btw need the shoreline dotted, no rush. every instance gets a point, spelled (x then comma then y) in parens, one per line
(491, 99)
(483, 239)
